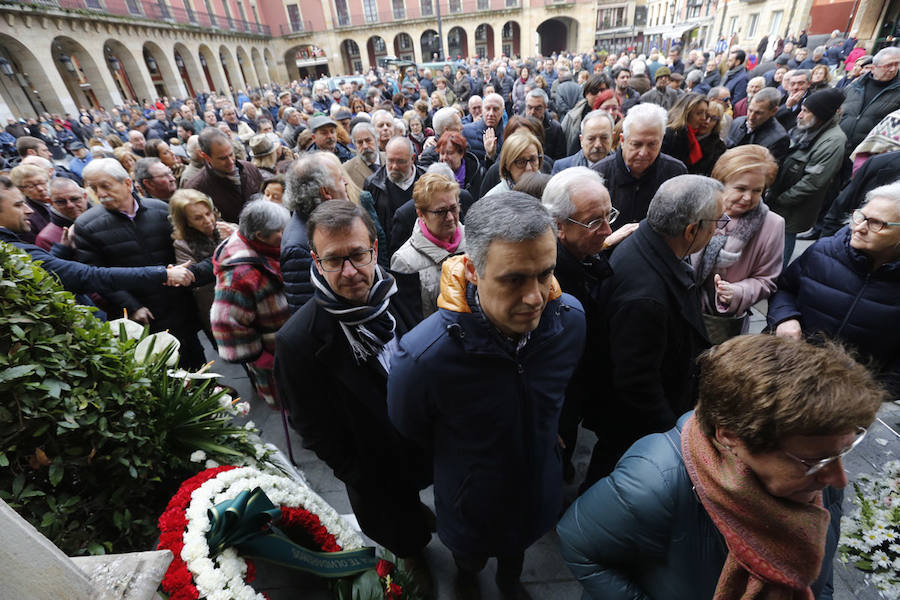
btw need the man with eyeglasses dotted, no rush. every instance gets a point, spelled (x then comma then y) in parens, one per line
(651, 327)
(846, 287)
(155, 179)
(579, 203)
(68, 200)
(332, 361)
(391, 187)
(797, 93)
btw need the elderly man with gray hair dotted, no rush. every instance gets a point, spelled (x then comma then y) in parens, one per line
(871, 97)
(536, 105)
(579, 203)
(125, 230)
(444, 119)
(250, 306)
(760, 126)
(638, 168)
(481, 384)
(368, 158)
(312, 179)
(651, 322)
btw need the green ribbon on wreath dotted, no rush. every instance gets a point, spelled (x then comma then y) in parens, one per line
(245, 522)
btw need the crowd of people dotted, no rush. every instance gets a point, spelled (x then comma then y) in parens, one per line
(449, 273)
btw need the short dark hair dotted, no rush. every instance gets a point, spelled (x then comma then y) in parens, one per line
(141, 171)
(187, 126)
(210, 135)
(596, 83)
(741, 55)
(335, 215)
(618, 70)
(26, 143)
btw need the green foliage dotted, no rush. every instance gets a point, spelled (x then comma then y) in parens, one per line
(92, 442)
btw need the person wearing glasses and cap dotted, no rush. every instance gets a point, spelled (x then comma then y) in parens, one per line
(846, 287)
(741, 498)
(332, 361)
(650, 321)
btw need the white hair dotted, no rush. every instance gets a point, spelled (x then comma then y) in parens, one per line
(442, 118)
(105, 166)
(645, 115)
(886, 54)
(557, 197)
(493, 97)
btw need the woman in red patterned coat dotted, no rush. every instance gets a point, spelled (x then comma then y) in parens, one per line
(250, 306)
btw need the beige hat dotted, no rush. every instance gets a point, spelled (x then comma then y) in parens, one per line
(261, 145)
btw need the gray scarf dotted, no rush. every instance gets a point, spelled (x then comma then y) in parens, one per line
(746, 227)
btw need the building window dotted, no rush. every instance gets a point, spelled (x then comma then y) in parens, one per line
(732, 26)
(512, 4)
(255, 14)
(694, 8)
(93, 4)
(484, 4)
(777, 16)
(611, 17)
(455, 6)
(371, 11)
(427, 8)
(751, 27)
(189, 10)
(209, 11)
(133, 7)
(242, 11)
(399, 9)
(342, 12)
(294, 17)
(228, 18)
(404, 42)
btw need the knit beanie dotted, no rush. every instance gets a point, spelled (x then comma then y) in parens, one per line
(824, 103)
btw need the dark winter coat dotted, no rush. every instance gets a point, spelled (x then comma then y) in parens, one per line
(227, 197)
(877, 171)
(770, 135)
(630, 195)
(804, 177)
(858, 120)
(643, 533)
(474, 134)
(652, 324)
(831, 289)
(489, 413)
(107, 238)
(677, 145)
(385, 206)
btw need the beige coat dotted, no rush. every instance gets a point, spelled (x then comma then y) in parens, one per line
(357, 170)
(419, 255)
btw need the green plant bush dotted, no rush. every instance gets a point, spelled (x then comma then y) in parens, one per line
(92, 442)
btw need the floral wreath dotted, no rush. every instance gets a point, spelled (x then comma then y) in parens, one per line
(194, 574)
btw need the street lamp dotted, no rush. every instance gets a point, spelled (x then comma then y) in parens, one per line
(5, 67)
(151, 63)
(179, 62)
(67, 62)
(113, 62)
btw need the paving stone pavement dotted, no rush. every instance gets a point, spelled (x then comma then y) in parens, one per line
(545, 575)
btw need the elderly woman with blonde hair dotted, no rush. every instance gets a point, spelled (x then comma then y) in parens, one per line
(436, 236)
(196, 231)
(739, 265)
(522, 153)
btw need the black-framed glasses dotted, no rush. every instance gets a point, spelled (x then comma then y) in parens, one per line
(443, 212)
(875, 225)
(359, 259)
(597, 223)
(534, 161)
(814, 467)
(74, 200)
(722, 222)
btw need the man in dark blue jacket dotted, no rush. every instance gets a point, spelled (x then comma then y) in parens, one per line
(481, 384)
(485, 136)
(74, 276)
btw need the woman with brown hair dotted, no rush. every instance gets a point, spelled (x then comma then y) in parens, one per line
(819, 78)
(739, 265)
(126, 158)
(516, 122)
(741, 499)
(681, 140)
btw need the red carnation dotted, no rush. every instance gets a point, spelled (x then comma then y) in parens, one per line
(251, 571)
(384, 568)
(394, 592)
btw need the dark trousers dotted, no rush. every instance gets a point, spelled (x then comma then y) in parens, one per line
(191, 352)
(603, 460)
(509, 566)
(396, 519)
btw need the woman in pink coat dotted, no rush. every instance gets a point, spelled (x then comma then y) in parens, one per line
(739, 266)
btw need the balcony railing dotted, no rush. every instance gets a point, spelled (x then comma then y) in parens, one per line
(416, 10)
(296, 27)
(155, 11)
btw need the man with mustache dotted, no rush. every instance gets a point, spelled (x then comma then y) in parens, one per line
(368, 158)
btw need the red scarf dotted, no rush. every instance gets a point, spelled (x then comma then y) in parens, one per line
(695, 153)
(775, 546)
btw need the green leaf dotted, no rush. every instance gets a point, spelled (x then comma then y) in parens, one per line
(17, 372)
(18, 484)
(4, 461)
(95, 548)
(56, 472)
